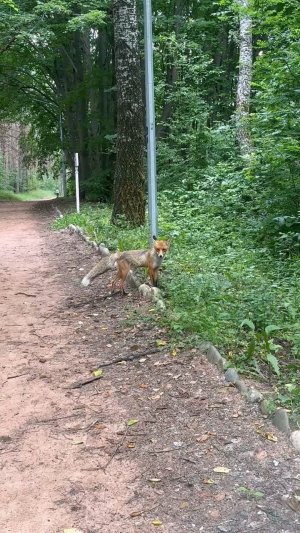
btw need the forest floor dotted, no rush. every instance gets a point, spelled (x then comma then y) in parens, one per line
(194, 457)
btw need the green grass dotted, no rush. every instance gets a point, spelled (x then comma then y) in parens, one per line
(38, 194)
(222, 284)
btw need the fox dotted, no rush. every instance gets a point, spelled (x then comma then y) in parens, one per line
(132, 259)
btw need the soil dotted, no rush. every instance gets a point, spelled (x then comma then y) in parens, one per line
(68, 457)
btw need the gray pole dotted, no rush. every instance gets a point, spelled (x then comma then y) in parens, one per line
(150, 118)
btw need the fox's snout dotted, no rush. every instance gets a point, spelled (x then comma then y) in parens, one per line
(161, 253)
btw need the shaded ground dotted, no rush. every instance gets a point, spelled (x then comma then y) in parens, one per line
(68, 458)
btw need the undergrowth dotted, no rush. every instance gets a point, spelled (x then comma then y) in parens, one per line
(222, 282)
(38, 194)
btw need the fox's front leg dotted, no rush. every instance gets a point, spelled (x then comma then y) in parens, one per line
(153, 274)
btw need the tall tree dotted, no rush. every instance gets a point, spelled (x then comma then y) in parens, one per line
(244, 78)
(129, 193)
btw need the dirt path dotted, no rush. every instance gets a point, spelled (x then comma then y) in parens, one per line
(67, 458)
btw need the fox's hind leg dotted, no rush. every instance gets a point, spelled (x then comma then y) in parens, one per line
(122, 273)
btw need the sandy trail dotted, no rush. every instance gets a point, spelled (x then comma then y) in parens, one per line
(47, 484)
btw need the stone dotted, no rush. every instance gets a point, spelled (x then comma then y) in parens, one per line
(242, 388)
(253, 395)
(281, 420)
(103, 250)
(213, 356)
(295, 439)
(160, 304)
(145, 291)
(231, 375)
(266, 407)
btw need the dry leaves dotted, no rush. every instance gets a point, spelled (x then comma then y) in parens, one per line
(206, 436)
(222, 470)
(268, 435)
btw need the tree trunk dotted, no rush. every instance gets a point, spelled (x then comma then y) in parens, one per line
(163, 126)
(129, 186)
(244, 80)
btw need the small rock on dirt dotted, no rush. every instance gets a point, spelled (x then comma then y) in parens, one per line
(295, 439)
(281, 420)
(231, 375)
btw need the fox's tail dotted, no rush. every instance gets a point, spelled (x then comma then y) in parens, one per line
(107, 263)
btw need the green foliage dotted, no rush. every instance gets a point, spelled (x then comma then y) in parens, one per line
(251, 494)
(97, 224)
(35, 194)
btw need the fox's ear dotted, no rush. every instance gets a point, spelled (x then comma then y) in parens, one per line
(154, 238)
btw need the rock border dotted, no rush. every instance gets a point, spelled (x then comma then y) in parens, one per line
(150, 293)
(279, 418)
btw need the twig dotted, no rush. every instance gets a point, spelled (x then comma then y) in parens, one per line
(17, 375)
(140, 513)
(117, 448)
(46, 420)
(132, 434)
(130, 357)
(165, 451)
(126, 357)
(26, 294)
(189, 460)
(79, 384)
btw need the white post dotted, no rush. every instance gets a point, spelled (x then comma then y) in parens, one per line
(76, 159)
(150, 111)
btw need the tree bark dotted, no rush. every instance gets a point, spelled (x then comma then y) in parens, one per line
(244, 80)
(129, 186)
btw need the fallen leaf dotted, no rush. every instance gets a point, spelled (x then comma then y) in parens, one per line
(205, 495)
(135, 513)
(132, 422)
(160, 342)
(184, 505)
(222, 470)
(100, 426)
(205, 437)
(271, 437)
(157, 397)
(251, 493)
(294, 503)
(97, 373)
(77, 441)
(174, 352)
(261, 455)
(131, 445)
(156, 522)
(219, 497)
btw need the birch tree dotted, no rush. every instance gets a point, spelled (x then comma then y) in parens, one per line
(244, 78)
(129, 194)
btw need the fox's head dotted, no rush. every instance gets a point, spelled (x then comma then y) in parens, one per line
(161, 247)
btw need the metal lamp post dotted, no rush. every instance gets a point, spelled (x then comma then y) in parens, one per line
(150, 119)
